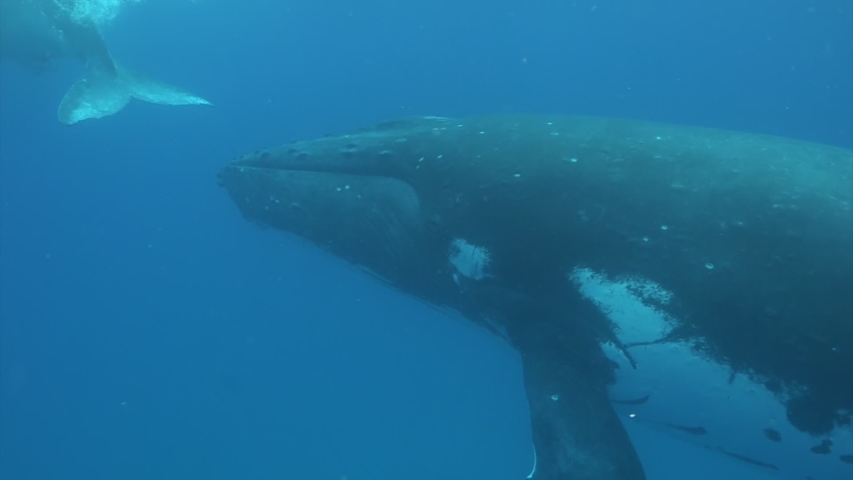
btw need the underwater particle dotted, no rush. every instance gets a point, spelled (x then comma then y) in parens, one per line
(517, 175)
(555, 397)
(421, 159)
(573, 160)
(658, 138)
(645, 239)
(664, 227)
(824, 448)
(550, 123)
(440, 156)
(339, 189)
(709, 266)
(482, 133)
(772, 434)
(346, 187)
(555, 134)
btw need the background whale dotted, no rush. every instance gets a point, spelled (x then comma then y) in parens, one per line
(35, 32)
(695, 280)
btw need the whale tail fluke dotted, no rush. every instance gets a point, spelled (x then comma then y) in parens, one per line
(107, 88)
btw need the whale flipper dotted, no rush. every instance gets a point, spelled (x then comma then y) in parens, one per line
(107, 88)
(576, 433)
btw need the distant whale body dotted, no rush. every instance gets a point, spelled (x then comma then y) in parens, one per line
(697, 281)
(35, 32)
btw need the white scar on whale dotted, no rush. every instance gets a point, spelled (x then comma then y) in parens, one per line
(35, 32)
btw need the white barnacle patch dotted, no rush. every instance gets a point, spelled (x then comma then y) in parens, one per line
(668, 384)
(469, 260)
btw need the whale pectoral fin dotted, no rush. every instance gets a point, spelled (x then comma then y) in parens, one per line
(152, 91)
(106, 89)
(576, 432)
(98, 94)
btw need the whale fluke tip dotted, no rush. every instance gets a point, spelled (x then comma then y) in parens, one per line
(105, 91)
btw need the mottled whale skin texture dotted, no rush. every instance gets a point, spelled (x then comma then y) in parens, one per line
(695, 280)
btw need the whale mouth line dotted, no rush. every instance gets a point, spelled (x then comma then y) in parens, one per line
(268, 163)
(284, 169)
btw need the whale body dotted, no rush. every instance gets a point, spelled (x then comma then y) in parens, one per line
(697, 281)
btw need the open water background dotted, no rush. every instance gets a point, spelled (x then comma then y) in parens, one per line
(148, 331)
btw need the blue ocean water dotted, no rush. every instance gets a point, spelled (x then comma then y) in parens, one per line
(148, 331)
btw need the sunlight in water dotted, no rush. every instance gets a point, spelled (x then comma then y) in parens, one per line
(100, 12)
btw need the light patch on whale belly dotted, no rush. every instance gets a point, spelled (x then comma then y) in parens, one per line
(669, 386)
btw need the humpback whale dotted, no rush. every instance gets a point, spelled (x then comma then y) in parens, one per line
(35, 32)
(694, 280)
